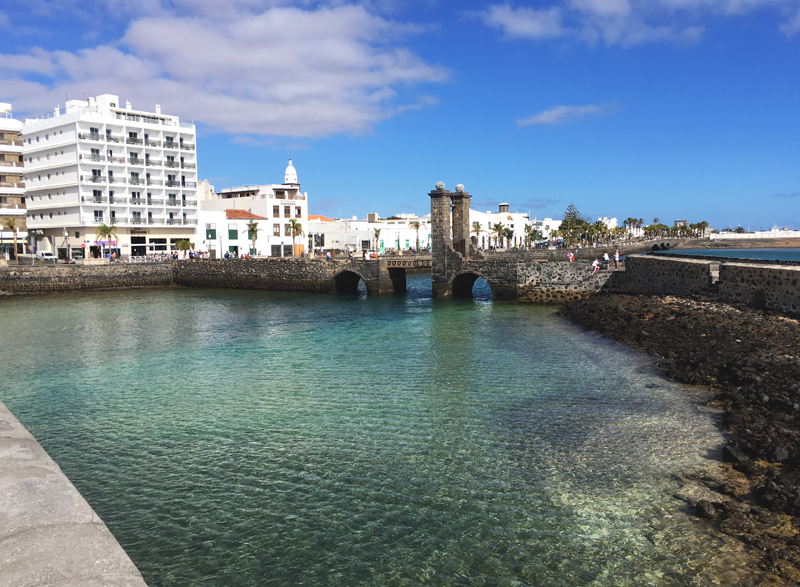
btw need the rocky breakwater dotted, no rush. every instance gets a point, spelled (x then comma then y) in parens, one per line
(751, 359)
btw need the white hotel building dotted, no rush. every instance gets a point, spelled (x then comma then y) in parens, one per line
(95, 162)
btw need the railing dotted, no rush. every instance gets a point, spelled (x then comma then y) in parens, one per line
(113, 138)
(181, 221)
(187, 146)
(5, 206)
(94, 200)
(138, 202)
(8, 184)
(14, 142)
(170, 145)
(190, 202)
(171, 164)
(188, 184)
(188, 166)
(112, 179)
(90, 136)
(173, 184)
(136, 181)
(11, 163)
(135, 161)
(151, 143)
(138, 220)
(155, 221)
(120, 160)
(134, 141)
(154, 182)
(93, 157)
(94, 178)
(155, 202)
(152, 162)
(174, 203)
(186, 124)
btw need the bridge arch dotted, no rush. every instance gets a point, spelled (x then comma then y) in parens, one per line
(347, 281)
(463, 283)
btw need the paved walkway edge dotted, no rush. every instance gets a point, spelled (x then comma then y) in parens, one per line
(49, 535)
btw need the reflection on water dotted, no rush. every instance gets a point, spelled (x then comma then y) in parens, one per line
(252, 438)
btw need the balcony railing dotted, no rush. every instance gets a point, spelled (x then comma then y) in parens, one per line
(134, 141)
(138, 201)
(174, 203)
(189, 184)
(154, 182)
(138, 220)
(155, 202)
(155, 221)
(112, 179)
(92, 157)
(173, 184)
(114, 138)
(120, 160)
(94, 200)
(187, 146)
(181, 221)
(10, 163)
(152, 162)
(170, 145)
(94, 178)
(136, 180)
(152, 143)
(8, 184)
(14, 142)
(171, 164)
(135, 161)
(90, 136)
(190, 202)
(188, 166)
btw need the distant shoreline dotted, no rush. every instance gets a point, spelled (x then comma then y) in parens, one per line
(760, 243)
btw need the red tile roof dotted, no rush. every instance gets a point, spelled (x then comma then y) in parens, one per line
(319, 217)
(242, 215)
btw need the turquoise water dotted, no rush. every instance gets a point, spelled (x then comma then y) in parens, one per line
(781, 254)
(256, 438)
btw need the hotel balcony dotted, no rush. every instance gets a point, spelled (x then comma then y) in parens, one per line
(188, 166)
(94, 200)
(173, 203)
(92, 157)
(117, 160)
(171, 164)
(187, 146)
(190, 202)
(114, 138)
(181, 221)
(94, 178)
(11, 163)
(12, 142)
(135, 161)
(155, 201)
(134, 141)
(136, 181)
(170, 145)
(173, 184)
(155, 221)
(151, 162)
(152, 143)
(189, 184)
(154, 182)
(90, 136)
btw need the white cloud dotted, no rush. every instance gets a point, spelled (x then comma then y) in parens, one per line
(564, 114)
(628, 22)
(277, 71)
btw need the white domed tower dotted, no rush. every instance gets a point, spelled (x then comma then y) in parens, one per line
(290, 175)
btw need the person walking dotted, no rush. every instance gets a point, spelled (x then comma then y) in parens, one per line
(616, 258)
(595, 266)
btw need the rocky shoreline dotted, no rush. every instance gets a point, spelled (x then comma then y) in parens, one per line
(751, 360)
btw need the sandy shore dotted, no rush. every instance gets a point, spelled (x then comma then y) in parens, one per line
(751, 360)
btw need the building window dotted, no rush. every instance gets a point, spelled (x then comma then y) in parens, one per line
(98, 215)
(287, 211)
(276, 211)
(298, 212)
(287, 230)
(211, 231)
(276, 230)
(233, 232)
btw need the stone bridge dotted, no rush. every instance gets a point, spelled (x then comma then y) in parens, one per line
(535, 276)
(386, 275)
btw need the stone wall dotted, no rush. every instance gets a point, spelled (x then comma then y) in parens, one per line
(775, 287)
(27, 279)
(664, 275)
(558, 282)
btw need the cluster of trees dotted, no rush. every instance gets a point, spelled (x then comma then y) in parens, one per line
(505, 234)
(657, 229)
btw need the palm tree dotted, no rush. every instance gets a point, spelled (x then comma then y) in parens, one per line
(477, 230)
(296, 229)
(11, 224)
(377, 232)
(656, 220)
(184, 246)
(252, 230)
(498, 230)
(106, 232)
(416, 226)
(509, 234)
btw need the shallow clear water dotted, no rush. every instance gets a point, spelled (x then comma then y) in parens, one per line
(780, 254)
(257, 438)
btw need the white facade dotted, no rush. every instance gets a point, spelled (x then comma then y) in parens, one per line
(350, 234)
(95, 162)
(12, 189)
(274, 205)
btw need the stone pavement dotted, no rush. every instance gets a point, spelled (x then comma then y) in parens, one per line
(49, 535)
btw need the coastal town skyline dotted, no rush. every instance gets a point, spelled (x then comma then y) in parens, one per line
(625, 109)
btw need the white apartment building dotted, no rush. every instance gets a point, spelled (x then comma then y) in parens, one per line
(224, 218)
(12, 190)
(398, 233)
(95, 162)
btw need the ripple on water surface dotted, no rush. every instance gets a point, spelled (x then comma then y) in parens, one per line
(251, 438)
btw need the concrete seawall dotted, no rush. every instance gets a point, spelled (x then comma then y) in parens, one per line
(34, 279)
(49, 535)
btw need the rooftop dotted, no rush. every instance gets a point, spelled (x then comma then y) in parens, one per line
(242, 215)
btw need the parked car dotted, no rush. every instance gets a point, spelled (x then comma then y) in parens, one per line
(46, 256)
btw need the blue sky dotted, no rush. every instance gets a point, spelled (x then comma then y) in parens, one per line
(676, 109)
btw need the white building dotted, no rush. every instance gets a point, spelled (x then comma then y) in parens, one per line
(95, 162)
(12, 189)
(398, 233)
(224, 217)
